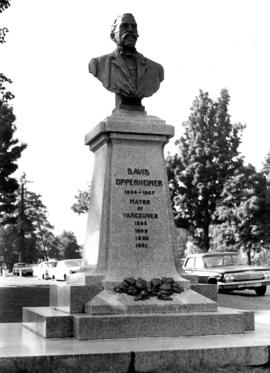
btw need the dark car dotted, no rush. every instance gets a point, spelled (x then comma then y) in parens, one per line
(25, 269)
(225, 270)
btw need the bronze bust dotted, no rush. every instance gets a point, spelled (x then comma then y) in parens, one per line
(127, 73)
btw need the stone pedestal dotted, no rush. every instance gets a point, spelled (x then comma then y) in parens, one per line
(130, 226)
(130, 233)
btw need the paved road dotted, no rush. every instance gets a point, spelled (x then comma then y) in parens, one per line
(23, 281)
(246, 299)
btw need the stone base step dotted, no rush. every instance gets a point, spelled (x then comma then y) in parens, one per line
(23, 351)
(48, 322)
(51, 323)
(109, 302)
(225, 321)
(72, 298)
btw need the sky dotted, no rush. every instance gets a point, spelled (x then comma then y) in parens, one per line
(202, 44)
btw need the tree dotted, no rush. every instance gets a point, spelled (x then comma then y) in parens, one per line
(33, 223)
(10, 151)
(240, 214)
(8, 244)
(4, 4)
(266, 173)
(208, 156)
(31, 238)
(68, 246)
(266, 167)
(36, 214)
(81, 206)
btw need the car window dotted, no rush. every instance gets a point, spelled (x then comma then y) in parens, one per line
(74, 262)
(52, 264)
(190, 263)
(221, 260)
(199, 264)
(228, 260)
(213, 261)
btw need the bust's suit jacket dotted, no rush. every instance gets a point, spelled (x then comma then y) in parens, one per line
(112, 71)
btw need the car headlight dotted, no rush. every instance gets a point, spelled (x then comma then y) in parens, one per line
(266, 274)
(228, 278)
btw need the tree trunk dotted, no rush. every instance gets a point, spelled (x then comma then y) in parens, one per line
(206, 238)
(249, 255)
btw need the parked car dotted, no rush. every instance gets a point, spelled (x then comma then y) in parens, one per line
(226, 270)
(67, 267)
(44, 270)
(35, 269)
(25, 269)
(51, 269)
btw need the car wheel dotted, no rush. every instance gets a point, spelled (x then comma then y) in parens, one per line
(225, 291)
(42, 277)
(65, 277)
(260, 290)
(212, 280)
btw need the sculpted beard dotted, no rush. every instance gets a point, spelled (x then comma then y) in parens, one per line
(128, 40)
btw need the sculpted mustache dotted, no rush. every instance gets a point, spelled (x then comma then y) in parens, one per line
(130, 34)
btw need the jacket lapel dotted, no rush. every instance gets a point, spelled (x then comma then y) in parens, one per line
(118, 61)
(141, 65)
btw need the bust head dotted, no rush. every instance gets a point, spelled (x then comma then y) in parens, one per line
(124, 31)
(127, 73)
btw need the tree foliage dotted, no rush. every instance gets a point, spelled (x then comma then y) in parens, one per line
(266, 173)
(240, 215)
(8, 244)
(5, 95)
(10, 152)
(207, 156)
(266, 167)
(36, 224)
(68, 246)
(81, 206)
(31, 238)
(4, 4)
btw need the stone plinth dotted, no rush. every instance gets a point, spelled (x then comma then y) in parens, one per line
(109, 302)
(48, 322)
(158, 325)
(130, 233)
(130, 225)
(71, 298)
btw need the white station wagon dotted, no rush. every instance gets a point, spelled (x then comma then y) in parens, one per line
(66, 267)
